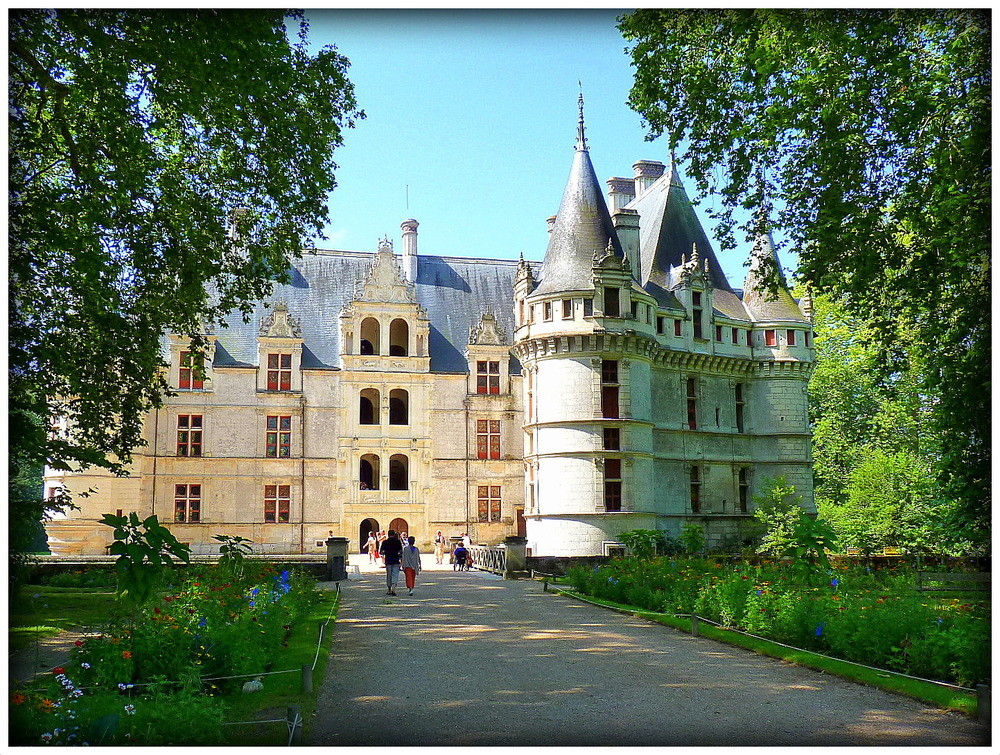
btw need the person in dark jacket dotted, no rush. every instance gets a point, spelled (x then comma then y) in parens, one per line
(392, 551)
(460, 555)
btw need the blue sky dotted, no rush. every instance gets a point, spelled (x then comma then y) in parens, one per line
(475, 111)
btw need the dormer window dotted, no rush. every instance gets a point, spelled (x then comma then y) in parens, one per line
(696, 313)
(488, 377)
(370, 336)
(279, 372)
(611, 304)
(191, 375)
(399, 338)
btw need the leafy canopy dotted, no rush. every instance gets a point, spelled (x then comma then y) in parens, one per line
(154, 156)
(869, 130)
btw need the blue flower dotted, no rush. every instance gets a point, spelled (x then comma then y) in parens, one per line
(834, 582)
(760, 592)
(203, 622)
(252, 604)
(254, 591)
(819, 629)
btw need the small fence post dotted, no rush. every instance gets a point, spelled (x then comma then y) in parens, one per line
(983, 704)
(694, 625)
(307, 679)
(294, 721)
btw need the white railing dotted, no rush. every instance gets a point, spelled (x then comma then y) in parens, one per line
(492, 558)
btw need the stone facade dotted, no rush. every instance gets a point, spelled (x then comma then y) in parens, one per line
(622, 384)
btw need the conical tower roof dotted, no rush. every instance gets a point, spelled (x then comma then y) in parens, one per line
(762, 301)
(582, 228)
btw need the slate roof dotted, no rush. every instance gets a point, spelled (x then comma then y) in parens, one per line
(763, 303)
(582, 227)
(454, 291)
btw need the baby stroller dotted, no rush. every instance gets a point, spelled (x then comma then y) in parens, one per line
(460, 559)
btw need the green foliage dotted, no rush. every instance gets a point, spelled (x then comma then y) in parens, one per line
(693, 538)
(869, 130)
(154, 188)
(233, 553)
(143, 548)
(870, 618)
(777, 508)
(643, 543)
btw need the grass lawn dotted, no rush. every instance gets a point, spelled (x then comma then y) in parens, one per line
(39, 611)
(944, 697)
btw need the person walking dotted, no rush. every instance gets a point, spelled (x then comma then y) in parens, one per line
(392, 550)
(411, 563)
(379, 539)
(372, 548)
(439, 543)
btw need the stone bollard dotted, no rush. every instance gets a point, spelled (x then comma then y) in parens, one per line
(694, 625)
(983, 704)
(515, 557)
(307, 679)
(336, 558)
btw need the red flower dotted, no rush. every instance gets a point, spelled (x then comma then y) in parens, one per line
(19, 699)
(168, 599)
(190, 610)
(58, 670)
(78, 643)
(126, 654)
(156, 610)
(197, 584)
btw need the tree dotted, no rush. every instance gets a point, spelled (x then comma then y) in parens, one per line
(777, 508)
(164, 168)
(870, 132)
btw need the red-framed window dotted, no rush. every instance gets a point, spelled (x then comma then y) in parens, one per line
(279, 372)
(279, 437)
(718, 333)
(677, 327)
(612, 484)
(187, 503)
(487, 439)
(489, 503)
(695, 490)
(191, 376)
(790, 335)
(189, 428)
(277, 503)
(488, 377)
(770, 338)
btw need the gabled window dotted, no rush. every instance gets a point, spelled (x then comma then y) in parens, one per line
(279, 372)
(487, 439)
(488, 377)
(189, 434)
(611, 303)
(278, 439)
(277, 503)
(191, 374)
(187, 503)
(488, 499)
(612, 484)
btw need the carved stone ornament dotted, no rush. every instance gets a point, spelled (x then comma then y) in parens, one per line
(280, 324)
(385, 281)
(608, 259)
(694, 270)
(487, 332)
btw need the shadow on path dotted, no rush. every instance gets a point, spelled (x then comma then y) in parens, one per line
(475, 660)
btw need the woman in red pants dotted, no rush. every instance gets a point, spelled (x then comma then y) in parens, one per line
(411, 563)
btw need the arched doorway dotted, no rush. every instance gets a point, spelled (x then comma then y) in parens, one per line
(400, 526)
(368, 526)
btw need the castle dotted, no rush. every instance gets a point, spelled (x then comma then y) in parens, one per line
(620, 384)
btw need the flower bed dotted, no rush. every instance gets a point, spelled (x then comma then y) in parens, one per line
(876, 619)
(141, 679)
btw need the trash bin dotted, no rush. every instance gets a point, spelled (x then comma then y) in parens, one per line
(336, 558)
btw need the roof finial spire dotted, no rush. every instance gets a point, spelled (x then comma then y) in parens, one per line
(581, 138)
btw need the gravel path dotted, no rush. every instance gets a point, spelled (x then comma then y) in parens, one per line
(475, 660)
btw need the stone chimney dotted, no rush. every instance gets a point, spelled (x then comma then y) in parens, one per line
(627, 227)
(621, 191)
(646, 172)
(551, 220)
(410, 249)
